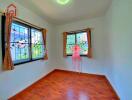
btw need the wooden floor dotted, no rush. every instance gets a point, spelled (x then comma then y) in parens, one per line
(65, 85)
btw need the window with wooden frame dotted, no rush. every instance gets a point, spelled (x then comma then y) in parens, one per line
(82, 38)
(26, 43)
(79, 38)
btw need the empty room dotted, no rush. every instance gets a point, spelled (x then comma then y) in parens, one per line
(65, 49)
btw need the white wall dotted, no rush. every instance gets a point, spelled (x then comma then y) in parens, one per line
(24, 75)
(119, 47)
(94, 65)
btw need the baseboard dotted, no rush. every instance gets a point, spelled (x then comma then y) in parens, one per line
(112, 87)
(80, 72)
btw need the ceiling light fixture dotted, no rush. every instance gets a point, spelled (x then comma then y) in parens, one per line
(63, 2)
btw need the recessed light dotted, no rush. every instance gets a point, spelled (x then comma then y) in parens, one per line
(63, 2)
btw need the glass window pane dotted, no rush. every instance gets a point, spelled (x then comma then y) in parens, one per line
(37, 44)
(37, 51)
(19, 33)
(69, 49)
(71, 39)
(70, 43)
(19, 52)
(82, 42)
(36, 37)
(19, 43)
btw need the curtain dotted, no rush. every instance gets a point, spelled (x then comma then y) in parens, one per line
(8, 63)
(64, 44)
(89, 55)
(44, 31)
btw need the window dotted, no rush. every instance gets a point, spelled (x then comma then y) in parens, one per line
(79, 38)
(26, 43)
(37, 44)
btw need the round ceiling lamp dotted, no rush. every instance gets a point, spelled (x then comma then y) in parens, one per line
(63, 2)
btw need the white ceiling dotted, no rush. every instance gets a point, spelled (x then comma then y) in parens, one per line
(75, 10)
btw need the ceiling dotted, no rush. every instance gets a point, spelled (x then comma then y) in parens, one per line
(73, 11)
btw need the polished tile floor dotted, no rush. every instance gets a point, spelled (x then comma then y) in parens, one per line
(65, 85)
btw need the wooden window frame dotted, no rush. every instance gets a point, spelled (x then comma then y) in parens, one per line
(76, 32)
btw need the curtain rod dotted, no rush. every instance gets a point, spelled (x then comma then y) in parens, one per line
(25, 22)
(82, 30)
